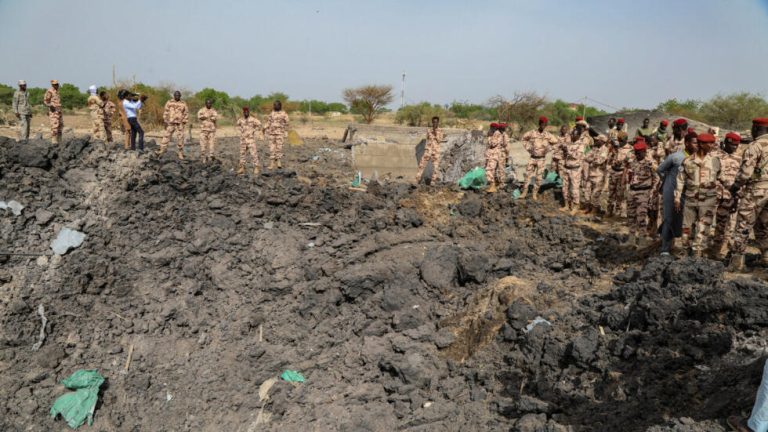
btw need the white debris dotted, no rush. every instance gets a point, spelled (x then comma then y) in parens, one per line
(15, 207)
(536, 321)
(66, 240)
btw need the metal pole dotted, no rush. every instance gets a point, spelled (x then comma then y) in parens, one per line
(402, 92)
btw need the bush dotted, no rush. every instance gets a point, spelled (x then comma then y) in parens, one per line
(464, 110)
(560, 112)
(220, 98)
(369, 101)
(420, 115)
(734, 111)
(71, 96)
(6, 94)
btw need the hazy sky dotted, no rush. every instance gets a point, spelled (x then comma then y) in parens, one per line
(622, 53)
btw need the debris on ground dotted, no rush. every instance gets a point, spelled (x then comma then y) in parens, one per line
(78, 407)
(66, 240)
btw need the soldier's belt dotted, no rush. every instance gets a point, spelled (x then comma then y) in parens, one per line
(617, 169)
(538, 157)
(639, 188)
(573, 167)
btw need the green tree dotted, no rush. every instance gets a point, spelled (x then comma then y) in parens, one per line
(275, 96)
(465, 110)
(689, 108)
(337, 107)
(369, 101)
(6, 94)
(560, 112)
(419, 114)
(220, 98)
(734, 111)
(36, 95)
(71, 96)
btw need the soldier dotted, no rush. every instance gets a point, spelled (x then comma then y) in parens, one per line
(431, 151)
(657, 153)
(621, 126)
(109, 114)
(574, 156)
(753, 199)
(641, 172)
(504, 147)
(725, 216)
(52, 100)
(611, 131)
(558, 148)
(699, 178)
(494, 153)
(661, 133)
(645, 131)
(22, 109)
(175, 116)
(537, 143)
(96, 108)
(676, 142)
(597, 159)
(207, 117)
(248, 127)
(618, 159)
(276, 129)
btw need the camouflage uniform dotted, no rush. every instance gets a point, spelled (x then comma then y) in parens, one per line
(597, 159)
(53, 100)
(725, 216)
(641, 176)
(22, 109)
(753, 203)
(673, 145)
(654, 207)
(618, 159)
(494, 152)
(109, 113)
(248, 128)
(574, 157)
(537, 144)
(558, 153)
(698, 178)
(97, 116)
(124, 125)
(276, 129)
(207, 119)
(431, 153)
(175, 116)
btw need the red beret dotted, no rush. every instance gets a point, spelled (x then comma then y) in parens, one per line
(665, 123)
(579, 118)
(691, 130)
(495, 125)
(543, 119)
(762, 121)
(639, 139)
(502, 125)
(733, 136)
(680, 122)
(621, 120)
(706, 138)
(640, 145)
(246, 109)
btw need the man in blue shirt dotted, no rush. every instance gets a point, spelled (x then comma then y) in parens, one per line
(132, 104)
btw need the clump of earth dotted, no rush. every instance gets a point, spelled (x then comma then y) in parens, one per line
(405, 308)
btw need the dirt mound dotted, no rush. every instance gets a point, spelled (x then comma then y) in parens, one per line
(405, 308)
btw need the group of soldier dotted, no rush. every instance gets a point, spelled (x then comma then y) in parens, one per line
(711, 196)
(175, 119)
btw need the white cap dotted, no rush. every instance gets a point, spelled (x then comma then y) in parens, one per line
(92, 89)
(22, 82)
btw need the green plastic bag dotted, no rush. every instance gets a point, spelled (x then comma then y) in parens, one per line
(358, 179)
(552, 177)
(78, 406)
(516, 194)
(474, 179)
(292, 376)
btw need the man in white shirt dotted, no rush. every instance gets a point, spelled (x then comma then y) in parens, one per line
(132, 104)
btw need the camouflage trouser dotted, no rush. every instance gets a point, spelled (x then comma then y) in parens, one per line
(494, 166)
(698, 216)
(108, 129)
(97, 125)
(654, 206)
(431, 153)
(126, 132)
(595, 187)
(638, 202)
(752, 213)
(572, 185)
(24, 123)
(534, 170)
(57, 123)
(171, 130)
(207, 142)
(249, 145)
(725, 223)
(615, 191)
(557, 166)
(276, 146)
(585, 191)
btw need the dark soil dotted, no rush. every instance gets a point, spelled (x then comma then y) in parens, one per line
(405, 308)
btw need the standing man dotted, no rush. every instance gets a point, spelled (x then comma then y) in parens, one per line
(537, 143)
(52, 100)
(276, 129)
(672, 222)
(597, 159)
(618, 160)
(248, 127)
(676, 142)
(109, 114)
(125, 126)
(494, 152)
(752, 186)
(22, 109)
(661, 133)
(132, 105)
(559, 148)
(641, 172)
(699, 178)
(175, 116)
(207, 117)
(431, 151)
(725, 216)
(645, 131)
(96, 108)
(574, 157)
